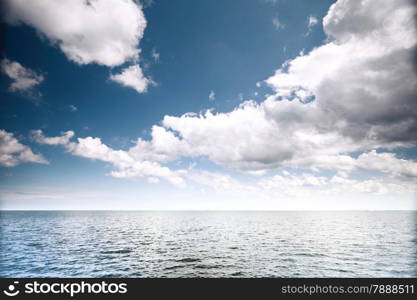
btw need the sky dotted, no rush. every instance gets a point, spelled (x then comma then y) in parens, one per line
(208, 105)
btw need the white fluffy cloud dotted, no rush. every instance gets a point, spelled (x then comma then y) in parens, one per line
(134, 163)
(387, 163)
(132, 77)
(355, 93)
(13, 153)
(145, 159)
(23, 79)
(249, 139)
(106, 32)
(64, 139)
(312, 186)
(363, 80)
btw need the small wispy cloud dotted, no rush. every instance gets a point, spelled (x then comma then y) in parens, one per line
(72, 108)
(311, 22)
(277, 23)
(23, 79)
(155, 55)
(273, 2)
(147, 3)
(212, 95)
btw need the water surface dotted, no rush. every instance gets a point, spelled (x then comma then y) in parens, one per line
(208, 244)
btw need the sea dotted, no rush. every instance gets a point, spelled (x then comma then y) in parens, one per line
(208, 244)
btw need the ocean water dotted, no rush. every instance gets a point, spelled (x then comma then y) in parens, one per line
(208, 244)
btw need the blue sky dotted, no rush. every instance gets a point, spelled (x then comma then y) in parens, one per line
(319, 131)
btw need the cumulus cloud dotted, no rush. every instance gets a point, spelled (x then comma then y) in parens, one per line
(353, 94)
(249, 139)
(105, 32)
(132, 77)
(23, 79)
(387, 163)
(13, 153)
(132, 163)
(362, 80)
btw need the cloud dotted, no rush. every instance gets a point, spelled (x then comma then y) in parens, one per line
(145, 159)
(155, 55)
(106, 32)
(153, 180)
(134, 163)
(356, 93)
(387, 163)
(212, 96)
(38, 193)
(259, 141)
(286, 185)
(37, 136)
(72, 108)
(13, 153)
(277, 23)
(133, 77)
(312, 21)
(361, 81)
(353, 94)
(273, 2)
(216, 181)
(126, 163)
(147, 3)
(23, 79)
(312, 186)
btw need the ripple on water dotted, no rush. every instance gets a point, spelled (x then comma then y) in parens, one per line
(208, 244)
(120, 251)
(188, 260)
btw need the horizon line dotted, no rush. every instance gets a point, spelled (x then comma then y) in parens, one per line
(202, 210)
